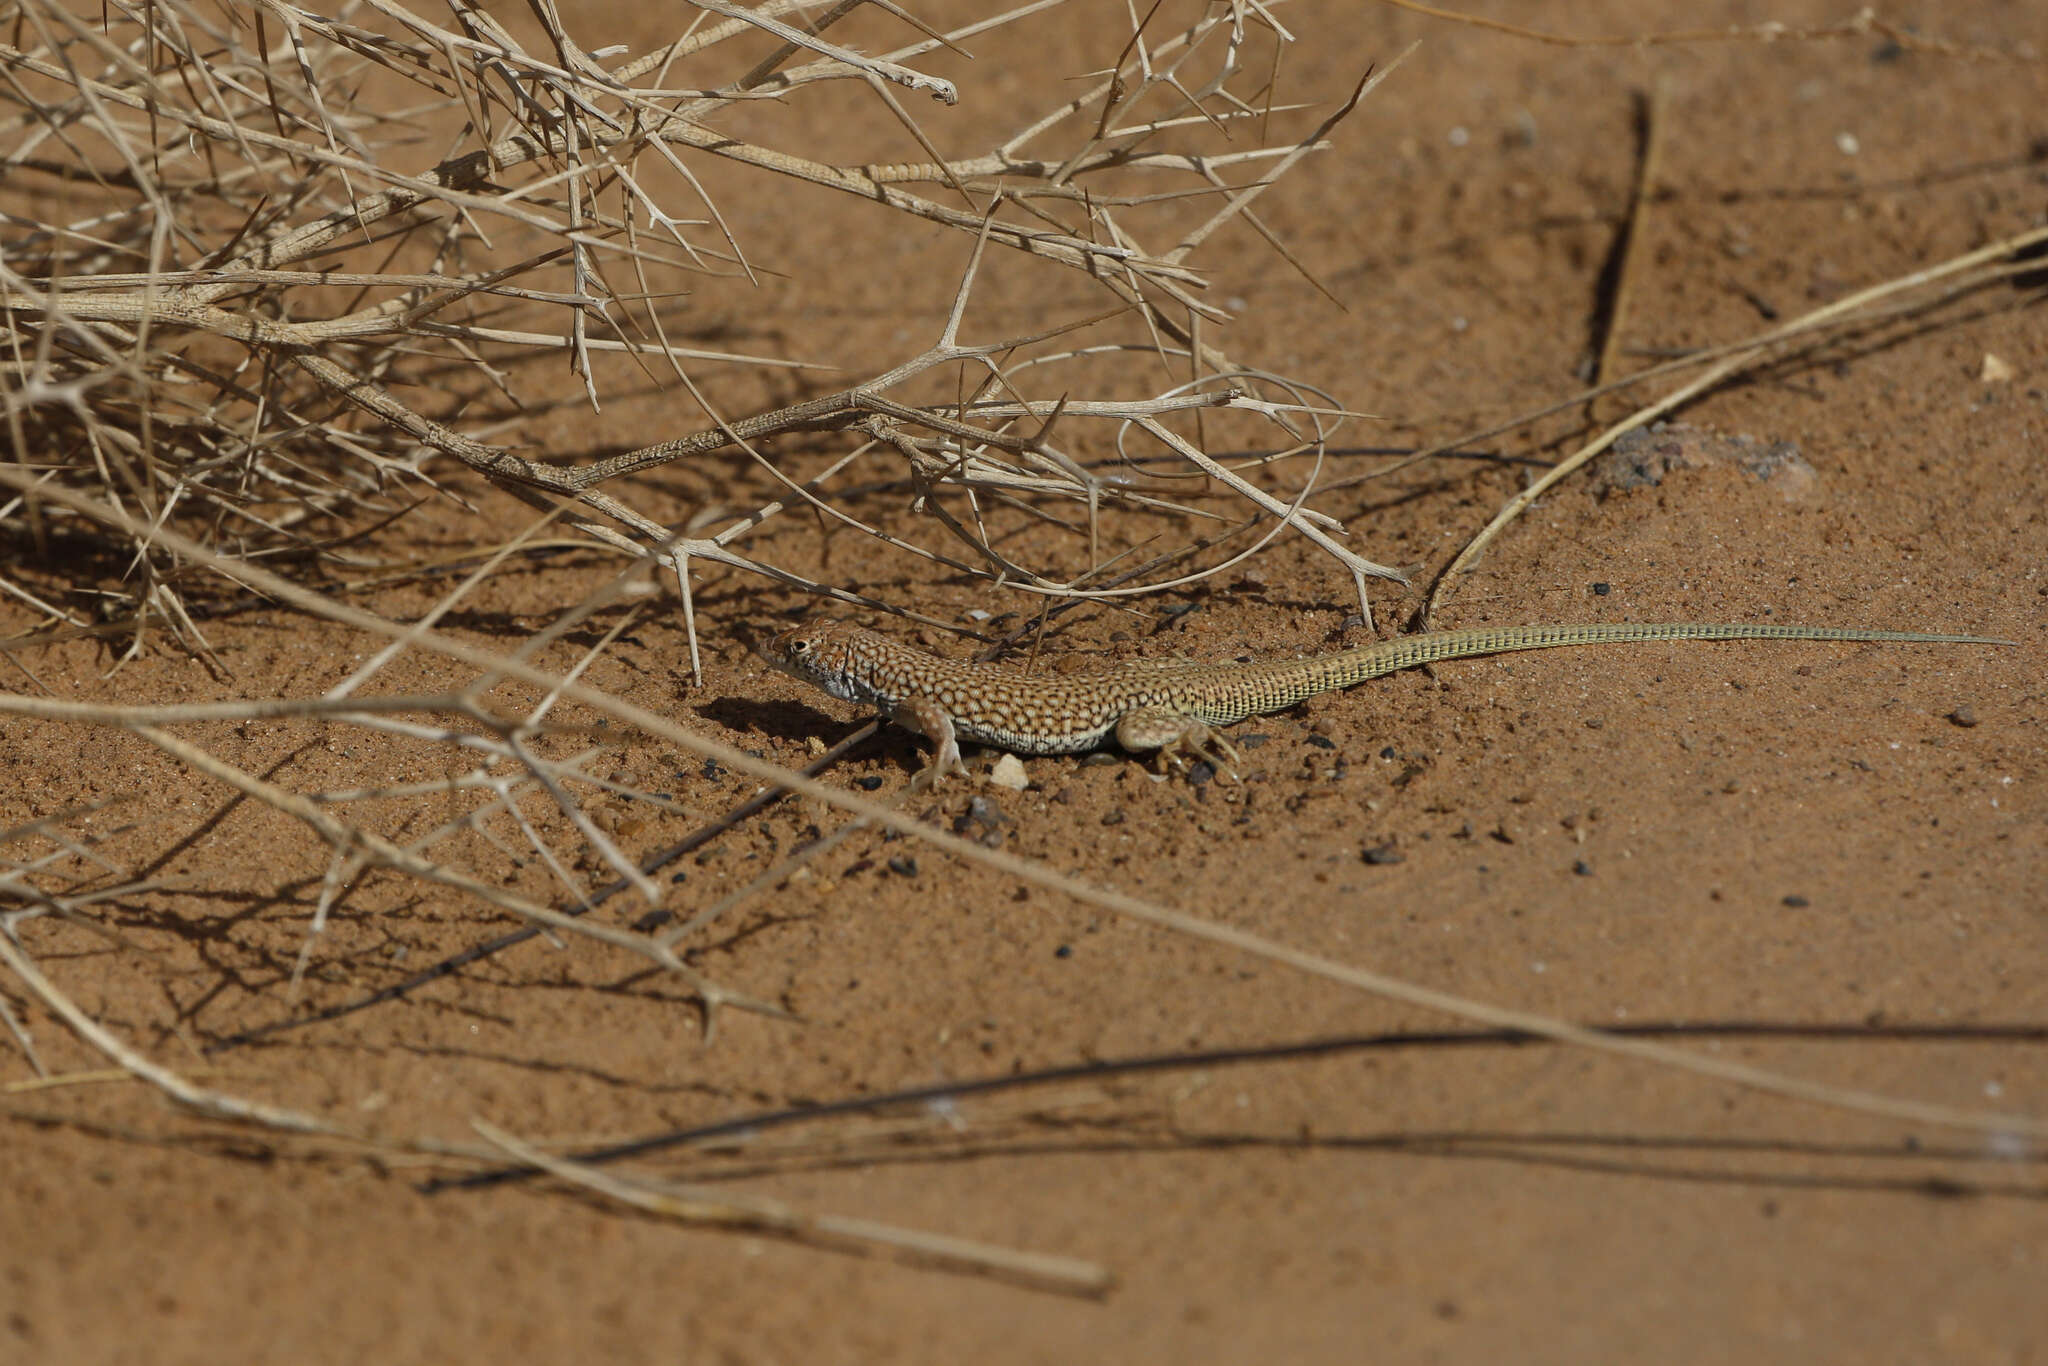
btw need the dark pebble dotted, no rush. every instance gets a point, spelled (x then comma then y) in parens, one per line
(982, 812)
(1582, 868)
(1601, 590)
(1113, 816)
(1064, 951)
(1796, 902)
(868, 782)
(1963, 716)
(1380, 854)
(903, 865)
(1321, 741)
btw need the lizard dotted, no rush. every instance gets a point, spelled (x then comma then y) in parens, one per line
(1169, 706)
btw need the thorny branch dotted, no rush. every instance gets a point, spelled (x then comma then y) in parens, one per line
(252, 273)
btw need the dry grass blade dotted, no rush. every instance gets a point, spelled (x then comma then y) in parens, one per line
(1865, 23)
(1862, 306)
(204, 1100)
(696, 1204)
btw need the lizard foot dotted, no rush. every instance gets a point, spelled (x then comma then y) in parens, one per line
(1177, 738)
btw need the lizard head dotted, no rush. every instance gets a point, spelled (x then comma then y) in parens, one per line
(822, 653)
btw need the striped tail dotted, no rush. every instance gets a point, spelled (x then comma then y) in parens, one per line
(1407, 652)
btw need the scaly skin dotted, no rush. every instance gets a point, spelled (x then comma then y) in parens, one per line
(1170, 705)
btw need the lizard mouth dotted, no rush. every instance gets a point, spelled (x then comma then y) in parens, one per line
(767, 653)
(770, 646)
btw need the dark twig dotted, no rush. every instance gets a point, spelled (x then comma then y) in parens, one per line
(1261, 1053)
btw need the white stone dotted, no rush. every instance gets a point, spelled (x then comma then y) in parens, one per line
(1009, 772)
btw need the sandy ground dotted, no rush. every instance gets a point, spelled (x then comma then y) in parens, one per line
(1713, 834)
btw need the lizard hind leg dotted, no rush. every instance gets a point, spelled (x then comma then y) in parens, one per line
(1176, 737)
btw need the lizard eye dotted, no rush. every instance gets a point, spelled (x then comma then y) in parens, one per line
(799, 647)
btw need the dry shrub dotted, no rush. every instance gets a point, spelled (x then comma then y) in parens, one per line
(232, 287)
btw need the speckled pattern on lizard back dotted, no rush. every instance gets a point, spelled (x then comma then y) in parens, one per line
(1171, 705)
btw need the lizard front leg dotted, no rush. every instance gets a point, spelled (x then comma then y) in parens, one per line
(929, 719)
(1177, 738)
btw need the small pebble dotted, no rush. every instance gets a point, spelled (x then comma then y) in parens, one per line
(868, 782)
(1009, 772)
(1380, 854)
(1601, 590)
(982, 812)
(1797, 902)
(1321, 741)
(1582, 868)
(1963, 716)
(903, 865)
(1113, 816)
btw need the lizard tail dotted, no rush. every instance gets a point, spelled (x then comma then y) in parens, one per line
(1408, 652)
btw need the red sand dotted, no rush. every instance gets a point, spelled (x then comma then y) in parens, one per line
(1768, 832)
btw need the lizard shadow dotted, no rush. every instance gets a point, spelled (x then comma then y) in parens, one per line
(797, 723)
(750, 717)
